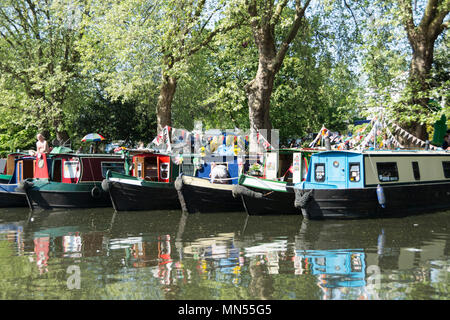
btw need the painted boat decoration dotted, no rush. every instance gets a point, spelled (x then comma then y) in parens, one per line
(149, 187)
(374, 184)
(272, 191)
(18, 168)
(71, 180)
(199, 192)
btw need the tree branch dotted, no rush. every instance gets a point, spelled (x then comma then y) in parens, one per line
(429, 14)
(300, 13)
(276, 16)
(208, 39)
(437, 25)
(408, 19)
(353, 15)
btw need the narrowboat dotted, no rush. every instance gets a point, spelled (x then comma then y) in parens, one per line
(199, 192)
(71, 180)
(149, 187)
(18, 168)
(374, 183)
(271, 192)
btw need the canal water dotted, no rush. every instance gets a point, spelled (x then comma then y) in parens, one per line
(100, 254)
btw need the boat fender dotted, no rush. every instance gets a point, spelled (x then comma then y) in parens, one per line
(304, 199)
(178, 183)
(241, 190)
(105, 185)
(96, 192)
(24, 185)
(380, 196)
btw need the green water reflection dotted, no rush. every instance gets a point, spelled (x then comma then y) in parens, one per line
(100, 254)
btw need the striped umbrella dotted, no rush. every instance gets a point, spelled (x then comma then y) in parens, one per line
(93, 137)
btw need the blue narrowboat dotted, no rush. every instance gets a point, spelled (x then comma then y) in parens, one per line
(374, 183)
(18, 168)
(198, 191)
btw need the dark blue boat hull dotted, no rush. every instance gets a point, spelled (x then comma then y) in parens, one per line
(9, 197)
(400, 200)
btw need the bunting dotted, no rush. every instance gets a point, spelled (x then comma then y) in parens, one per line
(163, 138)
(394, 141)
(323, 131)
(403, 133)
(262, 141)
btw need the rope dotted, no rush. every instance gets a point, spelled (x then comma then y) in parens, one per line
(226, 179)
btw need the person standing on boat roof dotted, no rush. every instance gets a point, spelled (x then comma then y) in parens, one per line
(41, 145)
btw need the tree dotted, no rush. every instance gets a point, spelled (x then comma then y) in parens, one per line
(148, 42)
(264, 17)
(422, 38)
(38, 57)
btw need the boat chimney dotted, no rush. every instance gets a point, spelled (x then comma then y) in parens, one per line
(327, 143)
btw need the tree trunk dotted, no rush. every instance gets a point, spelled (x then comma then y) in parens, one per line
(422, 39)
(263, 23)
(62, 137)
(259, 91)
(421, 63)
(164, 105)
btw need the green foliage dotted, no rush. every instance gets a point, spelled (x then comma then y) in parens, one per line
(109, 119)
(96, 66)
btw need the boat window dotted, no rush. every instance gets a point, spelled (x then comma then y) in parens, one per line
(188, 169)
(164, 170)
(387, 171)
(446, 166)
(319, 170)
(354, 172)
(113, 166)
(151, 169)
(415, 166)
(71, 170)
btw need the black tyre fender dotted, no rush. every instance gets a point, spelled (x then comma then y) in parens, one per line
(96, 192)
(24, 186)
(303, 201)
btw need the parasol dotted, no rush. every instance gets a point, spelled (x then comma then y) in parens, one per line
(93, 137)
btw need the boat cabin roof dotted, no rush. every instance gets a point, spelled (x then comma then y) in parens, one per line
(358, 169)
(384, 152)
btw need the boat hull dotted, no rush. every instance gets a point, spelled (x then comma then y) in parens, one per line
(132, 197)
(199, 195)
(10, 198)
(269, 202)
(401, 200)
(60, 195)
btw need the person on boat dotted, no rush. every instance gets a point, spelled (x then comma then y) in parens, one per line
(41, 145)
(219, 173)
(141, 146)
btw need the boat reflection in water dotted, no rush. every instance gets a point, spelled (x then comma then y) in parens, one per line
(335, 269)
(170, 255)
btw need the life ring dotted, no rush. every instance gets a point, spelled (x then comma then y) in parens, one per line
(96, 192)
